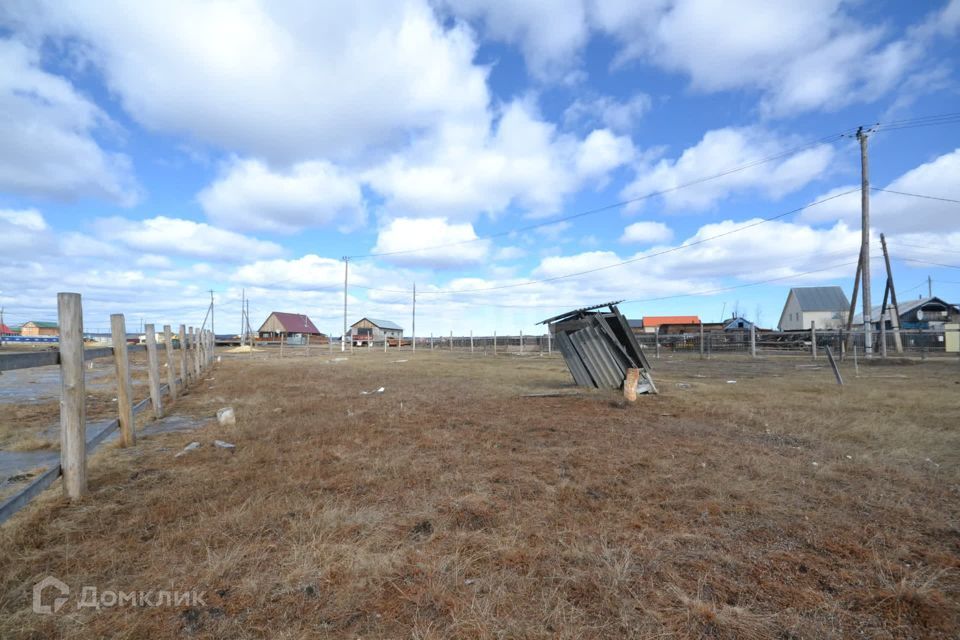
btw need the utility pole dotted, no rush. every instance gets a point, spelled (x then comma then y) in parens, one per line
(248, 329)
(865, 241)
(892, 292)
(346, 271)
(413, 338)
(929, 287)
(243, 316)
(1, 327)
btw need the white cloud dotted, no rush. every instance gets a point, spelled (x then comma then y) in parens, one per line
(162, 235)
(799, 55)
(25, 233)
(606, 111)
(524, 161)
(308, 272)
(893, 213)
(723, 149)
(549, 34)
(404, 234)
(282, 82)
(646, 233)
(249, 196)
(47, 131)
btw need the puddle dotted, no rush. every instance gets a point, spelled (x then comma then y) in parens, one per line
(42, 384)
(15, 464)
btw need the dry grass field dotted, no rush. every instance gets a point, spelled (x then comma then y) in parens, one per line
(451, 505)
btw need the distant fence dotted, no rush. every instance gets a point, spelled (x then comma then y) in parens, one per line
(195, 346)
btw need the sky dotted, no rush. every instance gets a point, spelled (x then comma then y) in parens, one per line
(511, 160)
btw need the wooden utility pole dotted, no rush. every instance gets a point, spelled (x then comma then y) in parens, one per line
(413, 337)
(243, 317)
(853, 303)
(895, 318)
(865, 240)
(929, 287)
(346, 271)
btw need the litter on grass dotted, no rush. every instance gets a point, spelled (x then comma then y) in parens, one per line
(188, 448)
(367, 393)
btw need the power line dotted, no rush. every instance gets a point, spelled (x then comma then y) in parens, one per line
(649, 255)
(937, 264)
(824, 140)
(916, 195)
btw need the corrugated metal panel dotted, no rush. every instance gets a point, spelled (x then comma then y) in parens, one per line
(821, 298)
(596, 361)
(580, 375)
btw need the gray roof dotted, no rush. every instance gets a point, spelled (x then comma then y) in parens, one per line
(903, 306)
(385, 324)
(635, 324)
(821, 298)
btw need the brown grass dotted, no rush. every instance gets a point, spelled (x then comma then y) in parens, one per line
(450, 506)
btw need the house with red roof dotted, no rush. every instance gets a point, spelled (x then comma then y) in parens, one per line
(291, 327)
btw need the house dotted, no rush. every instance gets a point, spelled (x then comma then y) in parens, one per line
(670, 324)
(737, 324)
(367, 330)
(294, 327)
(37, 328)
(823, 307)
(7, 331)
(922, 313)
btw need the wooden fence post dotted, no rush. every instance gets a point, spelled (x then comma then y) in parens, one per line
(550, 343)
(521, 340)
(813, 339)
(753, 341)
(494, 343)
(883, 335)
(153, 371)
(171, 364)
(701, 340)
(73, 415)
(471, 340)
(183, 357)
(195, 343)
(656, 337)
(451, 341)
(121, 362)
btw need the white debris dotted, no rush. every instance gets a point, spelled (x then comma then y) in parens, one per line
(367, 393)
(816, 464)
(226, 417)
(224, 445)
(399, 360)
(731, 382)
(849, 457)
(189, 447)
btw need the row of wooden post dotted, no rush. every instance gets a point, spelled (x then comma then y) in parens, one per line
(196, 354)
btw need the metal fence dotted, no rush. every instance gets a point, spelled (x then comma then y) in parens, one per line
(914, 341)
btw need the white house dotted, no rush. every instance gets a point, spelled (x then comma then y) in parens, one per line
(825, 307)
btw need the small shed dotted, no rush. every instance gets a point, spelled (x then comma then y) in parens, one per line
(599, 346)
(37, 328)
(367, 330)
(281, 325)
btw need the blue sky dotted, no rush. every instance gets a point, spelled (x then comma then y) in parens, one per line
(159, 150)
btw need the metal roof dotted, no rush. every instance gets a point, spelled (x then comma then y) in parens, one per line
(383, 324)
(821, 298)
(656, 321)
(904, 307)
(43, 325)
(295, 322)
